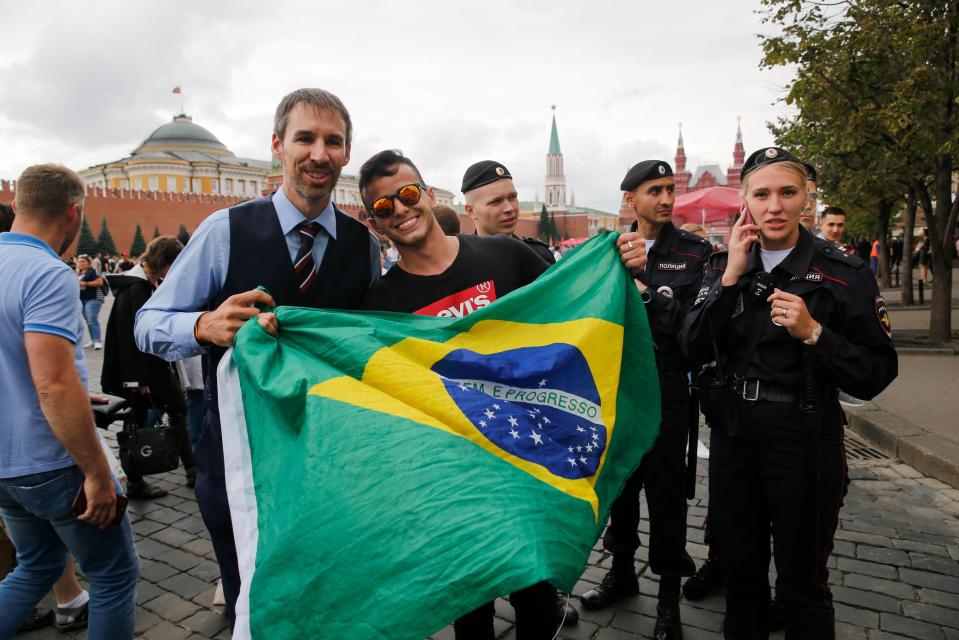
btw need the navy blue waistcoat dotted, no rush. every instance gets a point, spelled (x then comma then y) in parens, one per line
(259, 256)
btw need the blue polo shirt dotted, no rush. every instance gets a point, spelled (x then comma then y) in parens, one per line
(38, 293)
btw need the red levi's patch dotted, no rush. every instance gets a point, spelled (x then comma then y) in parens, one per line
(462, 303)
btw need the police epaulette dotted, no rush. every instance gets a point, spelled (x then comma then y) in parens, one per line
(534, 241)
(841, 256)
(687, 235)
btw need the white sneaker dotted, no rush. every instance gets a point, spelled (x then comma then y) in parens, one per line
(87, 345)
(97, 345)
(218, 598)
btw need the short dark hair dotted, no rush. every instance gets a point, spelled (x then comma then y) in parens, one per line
(381, 165)
(6, 217)
(160, 253)
(47, 190)
(316, 98)
(833, 211)
(448, 219)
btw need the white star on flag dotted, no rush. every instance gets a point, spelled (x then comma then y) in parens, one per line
(513, 421)
(542, 382)
(538, 439)
(571, 462)
(482, 423)
(463, 387)
(581, 430)
(545, 419)
(583, 460)
(514, 433)
(489, 414)
(496, 406)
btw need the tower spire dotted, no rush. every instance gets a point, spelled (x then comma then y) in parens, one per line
(555, 177)
(739, 156)
(739, 130)
(679, 144)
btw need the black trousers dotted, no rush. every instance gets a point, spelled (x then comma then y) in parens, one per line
(662, 474)
(536, 616)
(762, 483)
(214, 507)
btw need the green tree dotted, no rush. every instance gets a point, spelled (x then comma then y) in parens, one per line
(183, 235)
(553, 229)
(544, 224)
(875, 94)
(105, 244)
(86, 243)
(156, 232)
(138, 245)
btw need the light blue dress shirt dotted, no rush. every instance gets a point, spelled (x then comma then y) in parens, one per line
(164, 325)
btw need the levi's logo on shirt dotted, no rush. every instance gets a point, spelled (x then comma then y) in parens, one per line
(462, 303)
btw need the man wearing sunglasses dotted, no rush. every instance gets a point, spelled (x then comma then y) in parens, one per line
(297, 244)
(493, 203)
(450, 276)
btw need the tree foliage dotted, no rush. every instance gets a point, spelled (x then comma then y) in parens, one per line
(875, 97)
(138, 245)
(86, 243)
(156, 232)
(544, 225)
(183, 235)
(105, 244)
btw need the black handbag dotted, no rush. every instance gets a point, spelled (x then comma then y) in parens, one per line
(146, 451)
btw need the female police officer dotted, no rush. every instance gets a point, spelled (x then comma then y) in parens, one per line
(789, 321)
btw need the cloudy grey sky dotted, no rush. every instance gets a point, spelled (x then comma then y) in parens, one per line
(448, 82)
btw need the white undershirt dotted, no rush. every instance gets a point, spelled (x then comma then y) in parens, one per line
(771, 259)
(649, 244)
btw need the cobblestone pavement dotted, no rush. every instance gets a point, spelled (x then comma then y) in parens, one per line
(894, 570)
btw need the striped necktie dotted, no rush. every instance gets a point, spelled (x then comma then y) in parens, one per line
(304, 266)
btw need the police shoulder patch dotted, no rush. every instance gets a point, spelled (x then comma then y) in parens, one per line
(882, 313)
(701, 295)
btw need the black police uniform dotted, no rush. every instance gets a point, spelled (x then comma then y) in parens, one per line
(768, 476)
(540, 247)
(673, 275)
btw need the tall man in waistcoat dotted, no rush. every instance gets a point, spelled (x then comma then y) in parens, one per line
(296, 243)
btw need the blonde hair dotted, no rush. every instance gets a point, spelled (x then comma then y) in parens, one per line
(694, 228)
(795, 167)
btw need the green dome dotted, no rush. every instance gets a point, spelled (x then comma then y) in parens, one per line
(182, 132)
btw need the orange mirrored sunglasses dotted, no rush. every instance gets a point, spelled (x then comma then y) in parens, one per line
(408, 195)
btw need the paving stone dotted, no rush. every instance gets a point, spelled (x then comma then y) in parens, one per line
(633, 622)
(582, 630)
(147, 591)
(191, 524)
(882, 555)
(850, 565)
(207, 571)
(932, 580)
(184, 585)
(155, 571)
(922, 547)
(693, 616)
(934, 564)
(855, 616)
(172, 607)
(166, 631)
(206, 623)
(144, 620)
(150, 549)
(202, 547)
(172, 536)
(179, 559)
(146, 527)
(891, 588)
(941, 598)
(931, 613)
(867, 538)
(865, 599)
(165, 515)
(910, 627)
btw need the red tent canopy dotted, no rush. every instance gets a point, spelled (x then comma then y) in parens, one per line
(572, 242)
(714, 204)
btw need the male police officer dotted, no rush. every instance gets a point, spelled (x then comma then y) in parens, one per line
(668, 265)
(807, 217)
(493, 204)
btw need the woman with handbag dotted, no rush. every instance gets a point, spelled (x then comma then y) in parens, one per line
(148, 382)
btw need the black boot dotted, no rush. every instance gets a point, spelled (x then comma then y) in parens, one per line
(668, 625)
(706, 581)
(567, 612)
(619, 582)
(776, 620)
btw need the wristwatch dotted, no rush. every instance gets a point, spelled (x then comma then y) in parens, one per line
(814, 336)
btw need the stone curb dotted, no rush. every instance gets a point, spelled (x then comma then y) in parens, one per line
(929, 454)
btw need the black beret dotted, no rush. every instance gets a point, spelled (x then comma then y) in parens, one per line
(483, 173)
(645, 170)
(810, 171)
(764, 156)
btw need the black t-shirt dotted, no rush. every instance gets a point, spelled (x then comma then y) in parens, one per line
(484, 270)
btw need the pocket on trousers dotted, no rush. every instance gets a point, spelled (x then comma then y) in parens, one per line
(49, 495)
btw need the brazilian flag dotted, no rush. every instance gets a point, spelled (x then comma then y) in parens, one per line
(388, 473)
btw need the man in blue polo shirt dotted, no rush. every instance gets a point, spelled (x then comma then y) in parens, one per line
(48, 448)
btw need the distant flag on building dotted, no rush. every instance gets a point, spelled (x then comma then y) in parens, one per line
(411, 468)
(176, 90)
